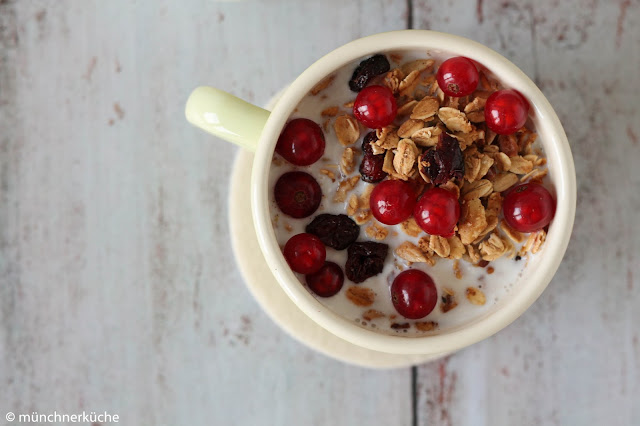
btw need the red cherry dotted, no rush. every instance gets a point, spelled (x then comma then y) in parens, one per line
(528, 207)
(506, 111)
(301, 142)
(375, 107)
(458, 76)
(327, 281)
(414, 294)
(305, 253)
(297, 194)
(437, 212)
(392, 201)
(524, 100)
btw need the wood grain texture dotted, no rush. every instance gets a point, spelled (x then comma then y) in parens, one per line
(574, 357)
(118, 290)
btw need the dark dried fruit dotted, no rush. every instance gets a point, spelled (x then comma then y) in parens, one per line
(371, 168)
(366, 142)
(443, 162)
(335, 231)
(365, 260)
(491, 173)
(368, 69)
(371, 164)
(396, 326)
(508, 144)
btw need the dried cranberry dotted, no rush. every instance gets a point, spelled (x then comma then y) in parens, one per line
(371, 168)
(368, 69)
(368, 139)
(443, 162)
(491, 173)
(508, 144)
(371, 165)
(335, 231)
(364, 260)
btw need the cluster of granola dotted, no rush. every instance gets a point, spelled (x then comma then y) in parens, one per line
(492, 164)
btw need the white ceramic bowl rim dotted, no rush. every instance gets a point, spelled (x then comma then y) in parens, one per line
(554, 142)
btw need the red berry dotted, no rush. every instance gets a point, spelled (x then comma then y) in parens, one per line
(327, 281)
(392, 201)
(301, 142)
(506, 111)
(528, 207)
(414, 294)
(437, 212)
(297, 194)
(305, 253)
(458, 76)
(375, 107)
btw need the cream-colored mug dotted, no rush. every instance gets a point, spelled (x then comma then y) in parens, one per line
(256, 129)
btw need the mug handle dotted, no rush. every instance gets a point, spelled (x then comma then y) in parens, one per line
(226, 116)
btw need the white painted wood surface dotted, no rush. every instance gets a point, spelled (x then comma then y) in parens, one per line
(117, 288)
(574, 357)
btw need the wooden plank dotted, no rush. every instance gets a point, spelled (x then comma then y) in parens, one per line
(573, 357)
(118, 290)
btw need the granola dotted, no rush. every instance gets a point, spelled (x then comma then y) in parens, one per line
(344, 187)
(361, 296)
(475, 296)
(426, 325)
(448, 300)
(426, 109)
(404, 159)
(377, 232)
(347, 162)
(347, 129)
(322, 85)
(492, 164)
(411, 253)
(455, 120)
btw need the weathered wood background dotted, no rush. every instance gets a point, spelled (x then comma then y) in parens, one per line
(117, 288)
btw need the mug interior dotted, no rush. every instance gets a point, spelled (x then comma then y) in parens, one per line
(536, 274)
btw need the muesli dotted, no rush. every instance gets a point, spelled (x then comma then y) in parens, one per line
(409, 188)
